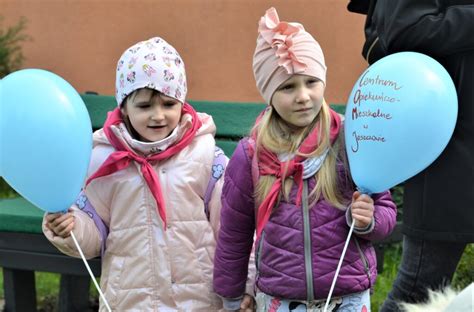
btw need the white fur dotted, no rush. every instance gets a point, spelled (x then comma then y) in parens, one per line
(437, 302)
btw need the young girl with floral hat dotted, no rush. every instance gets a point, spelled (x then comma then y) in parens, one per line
(149, 173)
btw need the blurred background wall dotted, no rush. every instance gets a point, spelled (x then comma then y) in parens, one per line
(81, 40)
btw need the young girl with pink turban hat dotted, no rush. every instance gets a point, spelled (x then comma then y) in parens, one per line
(289, 184)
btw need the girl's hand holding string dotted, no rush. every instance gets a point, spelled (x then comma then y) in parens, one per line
(60, 223)
(362, 209)
(247, 304)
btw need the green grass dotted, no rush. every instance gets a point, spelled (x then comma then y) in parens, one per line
(47, 284)
(5, 190)
(464, 274)
(462, 278)
(47, 289)
(392, 258)
(397, 196)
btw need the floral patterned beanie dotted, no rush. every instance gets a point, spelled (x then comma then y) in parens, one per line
(284, 49)
(152, 64)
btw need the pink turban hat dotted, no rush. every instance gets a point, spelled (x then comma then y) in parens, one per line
(284, 49)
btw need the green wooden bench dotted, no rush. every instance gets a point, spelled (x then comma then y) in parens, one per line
(24, 249)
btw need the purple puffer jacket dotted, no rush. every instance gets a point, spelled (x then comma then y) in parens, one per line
(282, 271)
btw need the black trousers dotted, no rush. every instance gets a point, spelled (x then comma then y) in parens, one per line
(425, 265)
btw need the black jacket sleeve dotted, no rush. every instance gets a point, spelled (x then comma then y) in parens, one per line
(434, 27)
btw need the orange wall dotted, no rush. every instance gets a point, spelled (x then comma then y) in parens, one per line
(81, 40)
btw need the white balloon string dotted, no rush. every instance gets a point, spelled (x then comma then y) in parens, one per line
(90, 272)
(339, 265)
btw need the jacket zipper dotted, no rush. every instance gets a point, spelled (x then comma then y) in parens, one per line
(258, 255)
(308, 261)
(370, 49)
(364, 260)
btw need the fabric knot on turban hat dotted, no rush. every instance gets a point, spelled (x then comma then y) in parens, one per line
(284, 49)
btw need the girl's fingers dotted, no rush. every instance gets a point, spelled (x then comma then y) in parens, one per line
(62, 225)
(65, 223)
(355, 195)
(52, 216)
(53, 220)
(365, 198)
(61, 218)
(362, 221)
(363, 208)
(67, 230)
(362, 217)
(362, 213)
(247, 303)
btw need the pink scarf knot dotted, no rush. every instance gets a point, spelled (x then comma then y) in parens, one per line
(269, 164)
(122, 157)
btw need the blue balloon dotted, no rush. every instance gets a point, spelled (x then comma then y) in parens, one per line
(399, 117)
(45, 138)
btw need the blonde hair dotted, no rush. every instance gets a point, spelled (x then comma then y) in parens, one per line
(276, 135)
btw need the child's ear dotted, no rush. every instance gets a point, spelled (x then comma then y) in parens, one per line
(123, 110)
